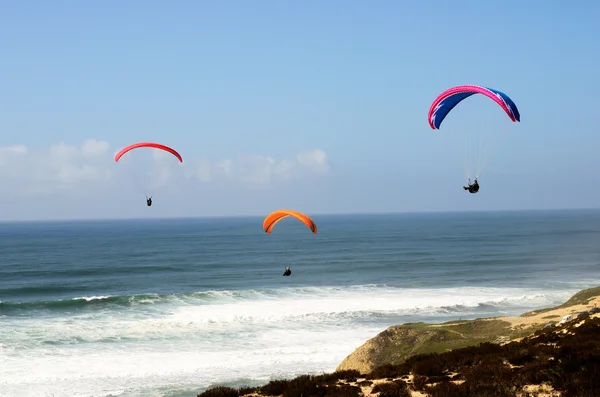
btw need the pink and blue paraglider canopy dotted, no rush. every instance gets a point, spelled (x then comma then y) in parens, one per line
(447, 100)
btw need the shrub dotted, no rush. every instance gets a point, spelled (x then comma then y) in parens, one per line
(437, 379)
(248, 390)
(304, 385)
(432, 365)
(448, 389)
(349, 374)
(419, 382)
(522, 356)
(389, 371)
(343, 391)
(275, 387)
(391, 389)
(219, 391)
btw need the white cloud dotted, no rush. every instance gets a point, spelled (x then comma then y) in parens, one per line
(25, 172)
(315, 160)
(13, 149)
(90, 166)
(261, 170)
(94, 148)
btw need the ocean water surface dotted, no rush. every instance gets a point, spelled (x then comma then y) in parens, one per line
(137, 308)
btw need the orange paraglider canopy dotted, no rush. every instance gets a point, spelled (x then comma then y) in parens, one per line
(274, 217)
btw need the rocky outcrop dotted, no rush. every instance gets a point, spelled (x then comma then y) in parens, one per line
(397, 343)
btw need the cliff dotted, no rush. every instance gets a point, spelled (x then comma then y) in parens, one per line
(399, 342)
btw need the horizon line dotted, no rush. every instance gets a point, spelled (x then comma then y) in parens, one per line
(317, 214)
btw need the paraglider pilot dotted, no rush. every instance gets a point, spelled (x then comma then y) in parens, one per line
(149, 201)
(287, 271)
(472, 188)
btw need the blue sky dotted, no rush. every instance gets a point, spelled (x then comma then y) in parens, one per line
(247, 81)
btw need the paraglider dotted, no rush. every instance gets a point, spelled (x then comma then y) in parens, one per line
(151, 145)
(472, 188)
(447, 100)
(274, 217)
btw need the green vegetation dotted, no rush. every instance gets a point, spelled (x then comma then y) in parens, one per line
(396, 344)
(580, 298)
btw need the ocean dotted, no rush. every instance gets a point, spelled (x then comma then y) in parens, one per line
(136, 308)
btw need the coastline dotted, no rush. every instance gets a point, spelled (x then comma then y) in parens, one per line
(398, 342)
(393, 349)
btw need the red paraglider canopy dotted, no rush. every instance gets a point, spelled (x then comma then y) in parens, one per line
(150, 145)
